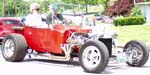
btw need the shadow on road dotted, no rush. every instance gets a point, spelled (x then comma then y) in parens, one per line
(74, 63)
(69, 64)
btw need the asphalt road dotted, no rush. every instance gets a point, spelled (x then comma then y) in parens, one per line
(48, 67)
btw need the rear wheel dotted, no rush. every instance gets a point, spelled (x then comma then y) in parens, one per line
(136, 52)
(93, 56)
(14, 48)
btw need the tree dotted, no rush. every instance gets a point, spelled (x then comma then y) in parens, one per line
(83, 2)
(147, 0)
(21, 7)
(121, 7)
(14, 7)
(3, 8)
(104, 3)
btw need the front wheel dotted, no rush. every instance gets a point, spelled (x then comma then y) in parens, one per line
(93, 56)
(136, 52)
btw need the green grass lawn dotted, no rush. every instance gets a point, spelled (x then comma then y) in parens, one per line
(134, 32)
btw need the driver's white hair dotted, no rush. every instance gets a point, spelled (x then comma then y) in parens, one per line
(34, 6)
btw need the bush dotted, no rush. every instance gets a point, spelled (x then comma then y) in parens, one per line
(129, 21)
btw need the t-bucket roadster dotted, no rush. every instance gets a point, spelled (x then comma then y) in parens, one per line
(66, 42)
(63, 42)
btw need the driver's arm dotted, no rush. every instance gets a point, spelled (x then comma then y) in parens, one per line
(48, 19)
(60, 17)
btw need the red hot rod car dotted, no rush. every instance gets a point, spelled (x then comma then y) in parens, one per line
(66, 42)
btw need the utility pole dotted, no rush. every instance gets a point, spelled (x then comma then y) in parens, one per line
(3, 8)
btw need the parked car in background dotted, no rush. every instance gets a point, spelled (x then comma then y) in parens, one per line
(6, 25)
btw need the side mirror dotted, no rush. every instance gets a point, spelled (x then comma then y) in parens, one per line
(1, 23)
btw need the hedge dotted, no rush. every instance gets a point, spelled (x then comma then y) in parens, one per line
(129, 21)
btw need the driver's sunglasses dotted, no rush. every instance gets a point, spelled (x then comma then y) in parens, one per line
(37, 9)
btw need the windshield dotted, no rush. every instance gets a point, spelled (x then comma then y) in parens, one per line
(72, 14)
(12, 22)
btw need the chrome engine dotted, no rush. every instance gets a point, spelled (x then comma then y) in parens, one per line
(78, 38)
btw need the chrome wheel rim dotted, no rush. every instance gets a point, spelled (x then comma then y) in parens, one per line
(134, 54)
(9, 48)
(91, 57)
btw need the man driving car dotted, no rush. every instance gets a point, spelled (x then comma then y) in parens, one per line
(54, 15)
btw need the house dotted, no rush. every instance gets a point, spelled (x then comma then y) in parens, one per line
(145, 9)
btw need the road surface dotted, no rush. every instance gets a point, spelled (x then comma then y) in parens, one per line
(47, 67)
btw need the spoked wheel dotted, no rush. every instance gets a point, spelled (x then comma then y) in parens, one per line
(14, 47)
(93, 56)
(136, 52)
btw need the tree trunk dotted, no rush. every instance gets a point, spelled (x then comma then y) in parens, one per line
(86, 6)
(3, 8)
(15, 7)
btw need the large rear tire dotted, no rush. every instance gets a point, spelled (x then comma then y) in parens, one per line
(136, 52)
(94, 56)
(14, 47)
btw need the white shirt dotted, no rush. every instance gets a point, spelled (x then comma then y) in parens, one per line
(35, 20)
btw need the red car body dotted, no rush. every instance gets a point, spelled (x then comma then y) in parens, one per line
(6, 25)
(50, 40)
